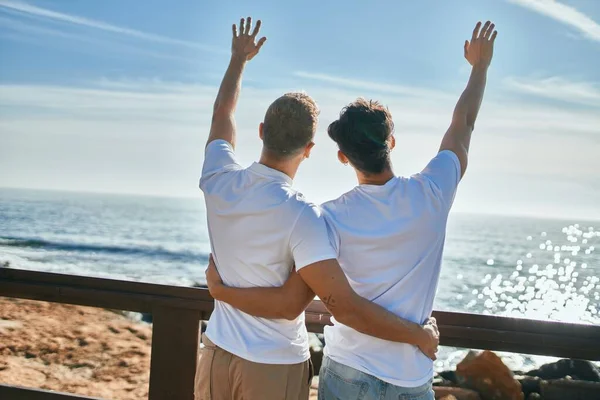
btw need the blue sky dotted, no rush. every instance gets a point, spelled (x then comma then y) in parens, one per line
(116, 96)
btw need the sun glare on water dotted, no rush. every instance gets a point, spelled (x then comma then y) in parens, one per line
(553, 283)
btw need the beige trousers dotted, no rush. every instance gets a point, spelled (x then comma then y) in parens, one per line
(221, 375)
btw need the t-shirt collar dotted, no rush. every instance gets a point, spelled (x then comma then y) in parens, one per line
(378, 188)
(270, 172)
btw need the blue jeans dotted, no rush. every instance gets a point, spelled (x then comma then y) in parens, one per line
(340, 382)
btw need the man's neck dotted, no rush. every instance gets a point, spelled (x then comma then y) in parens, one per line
(288, 167)
(375, 179)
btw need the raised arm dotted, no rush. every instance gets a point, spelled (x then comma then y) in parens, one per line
(479, 54)
(243, 49)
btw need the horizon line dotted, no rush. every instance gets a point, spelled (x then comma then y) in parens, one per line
(563, 218)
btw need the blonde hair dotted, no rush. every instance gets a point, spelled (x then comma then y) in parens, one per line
(290, 124)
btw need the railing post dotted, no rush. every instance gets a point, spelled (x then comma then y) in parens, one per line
(174, 353)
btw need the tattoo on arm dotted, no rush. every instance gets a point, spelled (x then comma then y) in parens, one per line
(329, 302)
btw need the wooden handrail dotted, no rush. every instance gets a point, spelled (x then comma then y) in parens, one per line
(178, 310)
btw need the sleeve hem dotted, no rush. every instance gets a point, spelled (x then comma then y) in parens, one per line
(456, 162)
(217, 141)
(315, 259)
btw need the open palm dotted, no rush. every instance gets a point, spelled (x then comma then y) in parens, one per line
(480, 49)
(244, 44)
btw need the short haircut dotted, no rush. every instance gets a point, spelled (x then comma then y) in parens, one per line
(361, 133)
(290, 124)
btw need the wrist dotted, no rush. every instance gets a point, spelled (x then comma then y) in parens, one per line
(216, 290)
(421, 336)
(481, 67)
(238, 59)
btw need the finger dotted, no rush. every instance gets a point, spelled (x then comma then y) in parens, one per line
(242, 26)
(489, 31)
(256, 28)
(484, 29)
(476, 31)
(211, 259)
(493, 38)
(466, 47)
(261, 42)
(234, 29)
(248, 25)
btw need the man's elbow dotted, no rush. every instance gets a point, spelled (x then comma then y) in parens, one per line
(291, 315)
(222, 110)
(291, 311)
(345, 314)
(464, 162)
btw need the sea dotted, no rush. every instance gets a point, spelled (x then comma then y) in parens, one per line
(547, 269)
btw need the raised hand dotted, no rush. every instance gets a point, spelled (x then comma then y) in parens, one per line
(481, 48)
(244, 44)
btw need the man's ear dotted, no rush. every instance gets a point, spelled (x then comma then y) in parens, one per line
(392, 142)
(342, 157)
(260, 131)
(308, 149)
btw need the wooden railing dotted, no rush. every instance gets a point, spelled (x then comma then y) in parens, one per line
(176, 312)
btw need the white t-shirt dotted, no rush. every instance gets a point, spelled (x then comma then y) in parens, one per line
(390, 240)
(259, 227)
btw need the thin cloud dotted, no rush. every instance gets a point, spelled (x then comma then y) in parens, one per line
(32, 34)
(26, 9)
(184, 101)
(565, 14)
(371, 86)
(558, 88)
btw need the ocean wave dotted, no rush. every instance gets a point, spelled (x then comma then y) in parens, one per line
(150, 252)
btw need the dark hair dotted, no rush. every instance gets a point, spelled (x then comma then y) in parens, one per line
(362, 132)
(290, 124)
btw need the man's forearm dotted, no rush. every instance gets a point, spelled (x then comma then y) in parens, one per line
(469, 102)
(287, 301)
(374, 320)
(259, 302)
(231, 85)
(223, 122)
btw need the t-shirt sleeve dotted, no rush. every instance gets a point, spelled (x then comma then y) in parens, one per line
(309, 241)
(443, 174)
(219, 157)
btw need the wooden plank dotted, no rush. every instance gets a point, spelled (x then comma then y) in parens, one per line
(174, 353)
(140, 302)
(23, 393)
(516, 324)
(571, 346)
(13, 274)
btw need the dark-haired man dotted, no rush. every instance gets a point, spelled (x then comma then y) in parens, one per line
(389, 235)
(259, 228)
